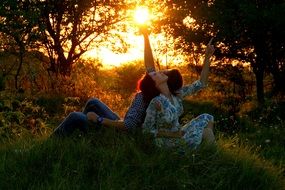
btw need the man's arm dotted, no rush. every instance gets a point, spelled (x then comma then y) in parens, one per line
(118, 124)
(133, 118)
(148, 56)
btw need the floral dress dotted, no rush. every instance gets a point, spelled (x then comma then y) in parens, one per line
(167, 119)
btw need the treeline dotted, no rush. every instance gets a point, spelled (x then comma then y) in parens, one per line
(246, 30)
(250, 31)
(63, 29)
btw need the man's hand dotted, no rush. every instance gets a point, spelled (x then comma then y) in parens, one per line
(91, 116)
(144, 30)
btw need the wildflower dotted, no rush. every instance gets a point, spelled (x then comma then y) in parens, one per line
(267, 141)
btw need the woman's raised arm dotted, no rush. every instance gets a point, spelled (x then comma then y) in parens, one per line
(206, 65)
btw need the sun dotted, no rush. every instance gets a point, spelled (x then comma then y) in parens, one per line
(141, 15)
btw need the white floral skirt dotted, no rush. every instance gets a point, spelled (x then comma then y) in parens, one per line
(193, 133)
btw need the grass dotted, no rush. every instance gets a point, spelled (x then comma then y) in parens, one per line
(107, 159)
(249, 153)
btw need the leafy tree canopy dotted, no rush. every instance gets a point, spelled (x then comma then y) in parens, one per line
(246, 30)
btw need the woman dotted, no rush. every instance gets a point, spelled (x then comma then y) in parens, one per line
(164, 111)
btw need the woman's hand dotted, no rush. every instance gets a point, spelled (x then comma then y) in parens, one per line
(182, 133)
(210, 49)
(206, 65)
(158, 106)
(170, 134)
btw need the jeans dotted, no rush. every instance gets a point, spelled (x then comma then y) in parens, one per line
(101, 109)
(78, 120)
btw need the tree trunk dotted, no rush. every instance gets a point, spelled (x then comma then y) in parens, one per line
(259, 85)
(65, 68)
(260, 62)
(21, 55)
(278, 77)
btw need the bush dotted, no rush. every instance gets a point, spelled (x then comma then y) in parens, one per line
(128, 75)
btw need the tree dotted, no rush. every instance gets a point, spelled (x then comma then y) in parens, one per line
(68, 27)
(17, 22)
(246, 30)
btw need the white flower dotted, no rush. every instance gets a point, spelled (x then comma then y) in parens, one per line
(267, 141)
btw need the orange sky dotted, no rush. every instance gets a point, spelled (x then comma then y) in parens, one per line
(109, 58)
(135, 52)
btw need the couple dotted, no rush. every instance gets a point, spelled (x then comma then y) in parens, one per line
(156, 108)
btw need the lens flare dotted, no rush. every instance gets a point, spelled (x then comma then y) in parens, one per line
(141, 15)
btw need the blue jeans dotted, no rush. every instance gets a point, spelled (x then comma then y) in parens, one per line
(78, 120)
(101, 109)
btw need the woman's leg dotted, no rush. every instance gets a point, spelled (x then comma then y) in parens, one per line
(101, 109)
(195, 130)
(201, 120)
(75, 120)
(208, 133)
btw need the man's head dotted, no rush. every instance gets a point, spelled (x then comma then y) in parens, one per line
(148, 87)
(148, 83)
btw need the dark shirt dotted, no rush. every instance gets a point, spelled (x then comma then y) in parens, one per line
(136, 113)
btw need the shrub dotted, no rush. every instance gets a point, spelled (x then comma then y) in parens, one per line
(128, 75)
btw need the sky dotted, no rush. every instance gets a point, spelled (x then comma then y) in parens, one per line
(136, 49)
(109, 58)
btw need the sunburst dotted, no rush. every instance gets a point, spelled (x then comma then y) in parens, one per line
(141, 15)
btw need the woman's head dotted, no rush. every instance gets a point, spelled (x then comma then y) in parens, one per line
(175, 80)
(159, 78)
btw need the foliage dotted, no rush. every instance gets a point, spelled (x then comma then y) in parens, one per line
(18, 24)
(52, 105)
(65, 29)
(21, 118)
(248, 31)
(69, 27)
(33, 76)
(128, 75)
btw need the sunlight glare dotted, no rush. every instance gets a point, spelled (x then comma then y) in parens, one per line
(110, 59)
(141, 15)
(135, 52)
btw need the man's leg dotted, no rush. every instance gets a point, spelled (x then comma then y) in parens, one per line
(101, 109)
(75, 120)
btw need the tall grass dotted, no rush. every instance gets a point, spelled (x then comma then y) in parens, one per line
(109, 160)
